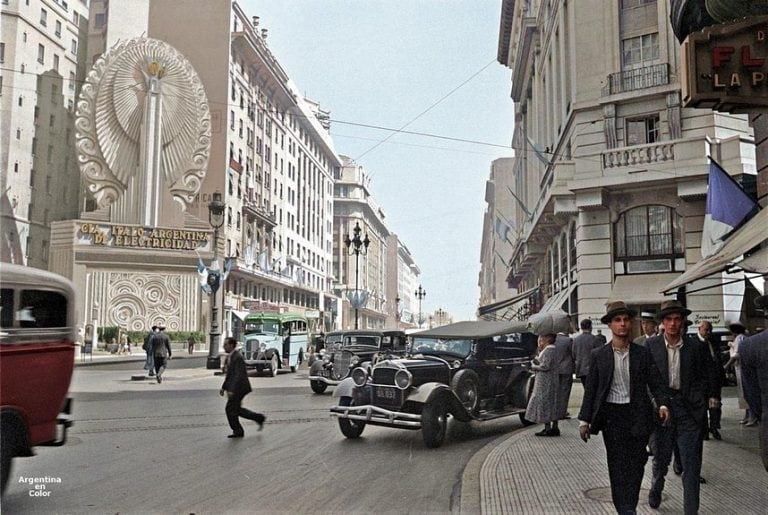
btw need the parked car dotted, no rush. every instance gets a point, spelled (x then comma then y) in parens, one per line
(467, 370)
(351, 350)
(275, 341)
(328, 342)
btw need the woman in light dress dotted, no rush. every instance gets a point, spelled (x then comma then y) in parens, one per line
(542, 405)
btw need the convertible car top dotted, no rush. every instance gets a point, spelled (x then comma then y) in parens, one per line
(474, 329)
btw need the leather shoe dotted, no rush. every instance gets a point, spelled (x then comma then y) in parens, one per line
(235, 435)
(677, 468)
(706, 436)
(702, 480)
(654, 499)
(554, 432)
(543, 432)
(261, 423)
(716, 434)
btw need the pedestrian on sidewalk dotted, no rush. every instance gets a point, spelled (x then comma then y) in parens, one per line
(685, 369)
(739, 332)
(565, 368)
(149, 365)
(162, 351)
(754, 363)
(617, 402)
(191, 344)
(717, 374)
(236, 386)
(583, 345)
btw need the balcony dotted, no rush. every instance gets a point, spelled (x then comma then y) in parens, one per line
(638, 78)
(255, 213)
(639, 155)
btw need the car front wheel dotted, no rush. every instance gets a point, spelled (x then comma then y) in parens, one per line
(434, 422)
(318, 386)
(274, 365)
(350, 428)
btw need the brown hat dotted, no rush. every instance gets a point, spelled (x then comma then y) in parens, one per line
(616, 308)
(671, 306)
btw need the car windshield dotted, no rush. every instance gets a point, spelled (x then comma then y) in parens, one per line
(438, 346)
(262, 327)
(372, 341)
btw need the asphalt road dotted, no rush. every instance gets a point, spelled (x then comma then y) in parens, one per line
(143, 447)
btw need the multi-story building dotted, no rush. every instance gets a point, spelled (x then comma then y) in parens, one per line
(610, 168)
(366, 272)
(42, 52)
(402, 282)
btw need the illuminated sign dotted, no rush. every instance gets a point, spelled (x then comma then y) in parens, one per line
(725, 67)
(131, 236)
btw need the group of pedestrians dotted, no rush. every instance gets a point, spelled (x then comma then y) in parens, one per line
(664, 389)
(157, 345)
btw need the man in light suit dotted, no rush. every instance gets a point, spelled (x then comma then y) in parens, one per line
(685, 368)
(236, 386)
(617, 402)
(753, 353)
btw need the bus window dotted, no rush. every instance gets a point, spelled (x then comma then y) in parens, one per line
(41, 308)
(6, 308)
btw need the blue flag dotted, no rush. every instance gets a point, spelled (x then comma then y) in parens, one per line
(728, 206)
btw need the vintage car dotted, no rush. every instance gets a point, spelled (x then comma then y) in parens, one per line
(467, 370)
(354, 348)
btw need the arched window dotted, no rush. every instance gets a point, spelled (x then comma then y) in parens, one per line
(572, 242)
(563, 272)
(648, 239)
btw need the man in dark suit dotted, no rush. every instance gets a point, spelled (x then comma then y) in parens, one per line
(616, 402)
(717, 376)
(686, 370)
(753, 353)
(236, 385)
(583, 345)
(161, 348)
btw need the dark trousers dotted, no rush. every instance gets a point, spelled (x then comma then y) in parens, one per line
(159, 364)
(714, 415)
(234, 410)
(686, 433)
(626, 457)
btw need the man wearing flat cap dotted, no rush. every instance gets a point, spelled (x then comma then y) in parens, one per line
(753, 353)
(616, 402)
(685, 369)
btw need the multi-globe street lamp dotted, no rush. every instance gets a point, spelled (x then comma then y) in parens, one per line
(440, 314)
(420, 294)
(216, 219)
(357, 246)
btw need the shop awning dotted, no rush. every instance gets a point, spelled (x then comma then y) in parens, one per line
(556, 301)
(240, 314)
(745, 238)
(641, 288)
(757, 262)
(502, 304)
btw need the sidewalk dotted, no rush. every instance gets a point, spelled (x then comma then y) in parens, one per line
(523, 473)
(101, 357)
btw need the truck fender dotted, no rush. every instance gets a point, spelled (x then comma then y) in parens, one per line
(316, 368)
(345, 388)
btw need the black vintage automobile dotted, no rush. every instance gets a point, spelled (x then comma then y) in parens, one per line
(467, 370)
(351, 349)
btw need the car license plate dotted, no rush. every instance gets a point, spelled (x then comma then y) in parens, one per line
(387, 395)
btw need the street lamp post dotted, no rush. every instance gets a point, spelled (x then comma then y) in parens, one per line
(216, 219)
(357, 246)
(440, 314)
(420, 294)
(398, 313)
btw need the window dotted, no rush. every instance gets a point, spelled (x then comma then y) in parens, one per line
(40, 54)
(43, 17)
(100, 20)
(73, 47)
(56, 62)
(21, 101)
(643, 130)
(2, 52)
(649, 239)
(640, 51)
(57, 31)
(72, 81)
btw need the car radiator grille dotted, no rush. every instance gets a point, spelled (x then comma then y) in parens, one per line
(384, 375)
(341, 361)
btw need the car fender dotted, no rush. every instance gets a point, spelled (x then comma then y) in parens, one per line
(345, 388)
(428, 391)
(316, 368)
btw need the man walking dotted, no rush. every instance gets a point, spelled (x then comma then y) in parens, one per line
(565, 368)
(583, 345)
(161, 347)
(685, 369)
(648, 326)
(617, 402)
(149, 366)
(717, 376)
(753, 353)
(236, 386)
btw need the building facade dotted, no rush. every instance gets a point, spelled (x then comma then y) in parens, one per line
(611, 170)
(42, 52)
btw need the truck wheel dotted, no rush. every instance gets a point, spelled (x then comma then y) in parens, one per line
(6, 457)
(273, 365)
(434, 422)
(318, 386)
(350, 428)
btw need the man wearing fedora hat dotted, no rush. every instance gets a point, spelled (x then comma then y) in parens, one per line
(616, 402)
(686, 371)
(648, 326)
(149, 365)
(754, 369)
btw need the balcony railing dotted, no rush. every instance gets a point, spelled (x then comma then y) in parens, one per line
(638, 78)
(639, 155)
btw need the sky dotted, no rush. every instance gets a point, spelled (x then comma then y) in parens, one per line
(426, 66)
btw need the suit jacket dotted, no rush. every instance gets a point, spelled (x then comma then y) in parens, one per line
(564, 346)
(161, 345)
(236, 380)
(644, 377)
(583, 345)
(753, 353)
(696, 385)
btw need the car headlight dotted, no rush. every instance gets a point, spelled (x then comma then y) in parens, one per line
(354, 361)
(457, 364)
(403, 379)
(359, 376)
